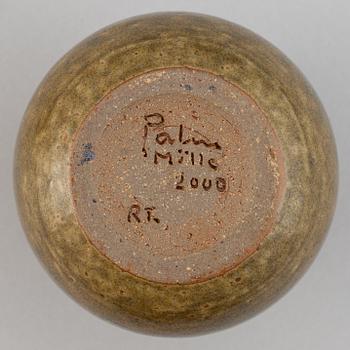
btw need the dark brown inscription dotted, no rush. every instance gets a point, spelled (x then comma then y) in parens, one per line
(164, 137)
(206, 184)
(154, 119)
(194, 182)
(179, 185)
(136, 214)
(168, 145)
(167, 155)
(219, 183)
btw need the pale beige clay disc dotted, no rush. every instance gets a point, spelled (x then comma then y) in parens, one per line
(177, 176)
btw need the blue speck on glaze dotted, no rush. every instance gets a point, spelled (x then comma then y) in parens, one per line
(87, 154)
(187, 87)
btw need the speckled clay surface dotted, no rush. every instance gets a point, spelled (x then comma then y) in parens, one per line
(175, 173)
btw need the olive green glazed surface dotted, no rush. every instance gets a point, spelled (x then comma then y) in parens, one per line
(90, 71)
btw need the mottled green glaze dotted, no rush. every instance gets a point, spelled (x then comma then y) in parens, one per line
(100, 63)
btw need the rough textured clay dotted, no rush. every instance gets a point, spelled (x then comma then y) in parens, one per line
(175, 173)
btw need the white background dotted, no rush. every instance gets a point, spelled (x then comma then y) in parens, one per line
(35, 314)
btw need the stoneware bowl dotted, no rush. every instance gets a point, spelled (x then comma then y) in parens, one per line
(175, 173)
